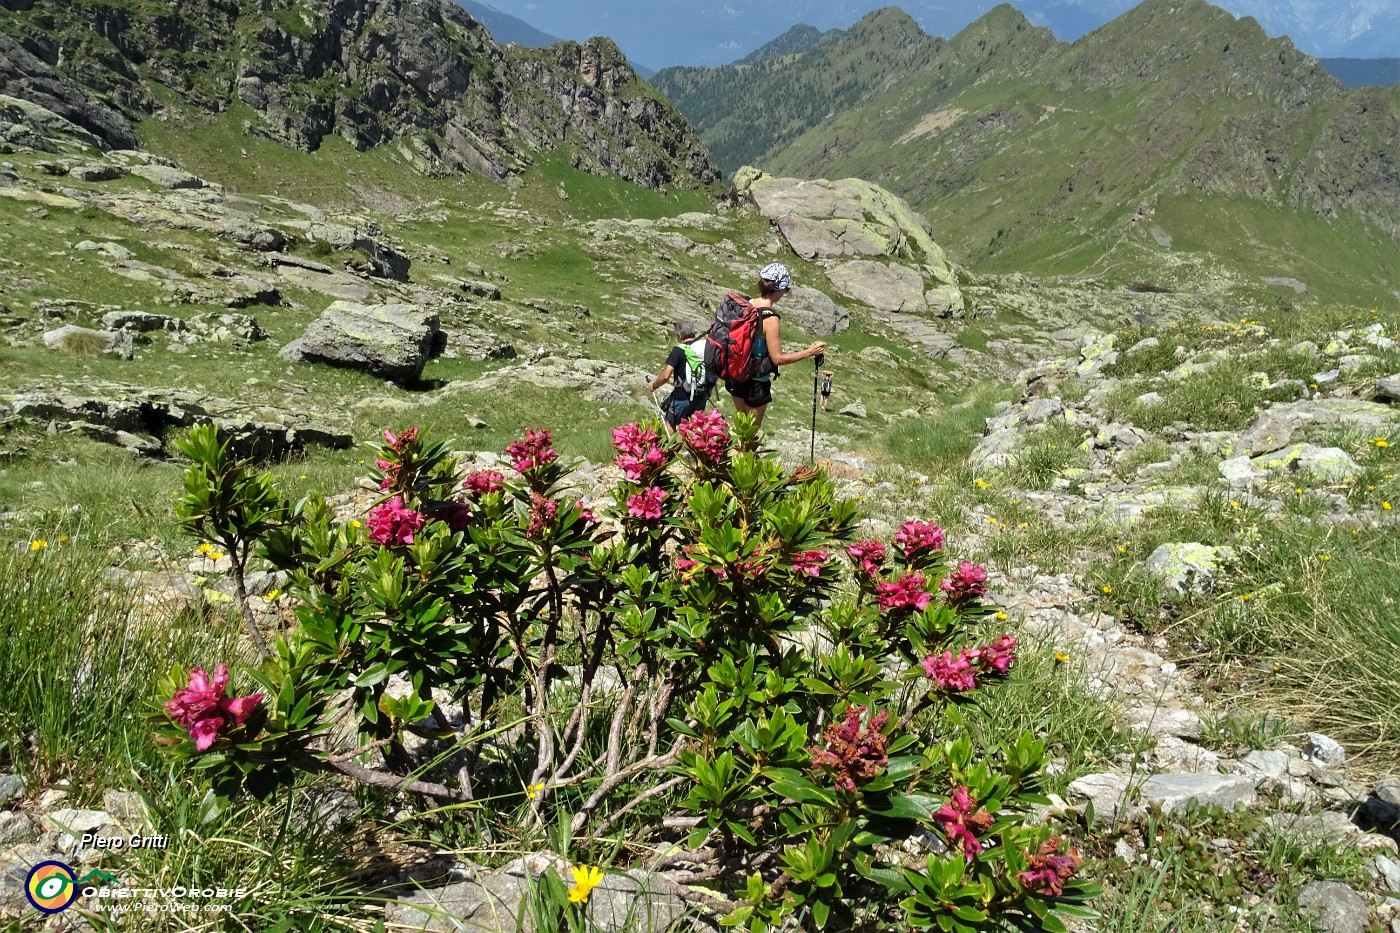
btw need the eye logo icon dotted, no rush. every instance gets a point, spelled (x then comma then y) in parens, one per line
(51, 887)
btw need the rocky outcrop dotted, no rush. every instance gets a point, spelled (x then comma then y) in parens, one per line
(877, 249)
(423, 76)
(392, 341)
(138, 419)
(26, 78)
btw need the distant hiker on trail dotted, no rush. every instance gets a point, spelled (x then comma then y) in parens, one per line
(826, 388)
(753, 394)
(685, 367)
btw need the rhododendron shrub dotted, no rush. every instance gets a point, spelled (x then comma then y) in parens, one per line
(710, 636)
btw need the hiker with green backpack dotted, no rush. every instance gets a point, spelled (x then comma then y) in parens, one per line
(685, 368)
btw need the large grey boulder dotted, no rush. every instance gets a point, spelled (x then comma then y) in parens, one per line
(1336, 907)
(168, 177)
(1285, 424)
(71, 338)
(814, 312)
(1175, 791)
(1325, 463)
(883, 286)
(625, 901)
(392, 341)
(1388, 387)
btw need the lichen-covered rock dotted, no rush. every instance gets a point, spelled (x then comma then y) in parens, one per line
(1095, 352)
(1327, 463)
(1282, 425)
(392, 341)
(1183, 567)
(881, 285)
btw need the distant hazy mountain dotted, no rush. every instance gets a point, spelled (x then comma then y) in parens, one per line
(505, 28)
(1364, 72)
(683, 32)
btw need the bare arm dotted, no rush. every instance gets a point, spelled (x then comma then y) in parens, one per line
(771, 333)
(660, 380)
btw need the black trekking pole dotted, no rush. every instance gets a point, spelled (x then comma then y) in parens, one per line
(816, 375)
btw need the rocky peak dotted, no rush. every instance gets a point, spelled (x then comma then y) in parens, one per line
(422, 73)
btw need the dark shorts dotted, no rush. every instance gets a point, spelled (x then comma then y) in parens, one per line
(679, 408)
(755, 393)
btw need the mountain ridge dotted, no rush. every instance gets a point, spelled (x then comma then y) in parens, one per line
(1020, 147)
(421, 74)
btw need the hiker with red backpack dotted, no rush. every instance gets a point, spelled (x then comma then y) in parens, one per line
(685, 368)
(745, 346)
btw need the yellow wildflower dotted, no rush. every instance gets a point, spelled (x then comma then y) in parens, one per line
(991, 521)
(1061, 657)
(302, 476)
(354, 523)
(1385, 506)
(1107, 590)
(1381, 442)
(1001, 617)
(1277, 668)
(1247, 597)
(63, 539)
(533, 790)
(586, 878)
(205, 548)
(982, 484)
(1234, 505)
(273, 595)
(1122, 549)
(38, 544)
(215, 555)
(1324, 557)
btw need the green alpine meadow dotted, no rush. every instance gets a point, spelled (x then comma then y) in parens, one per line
(1037, 573)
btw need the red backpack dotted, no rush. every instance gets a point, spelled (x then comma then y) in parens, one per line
(729, 345)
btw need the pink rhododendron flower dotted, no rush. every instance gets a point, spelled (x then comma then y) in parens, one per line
(585, 514)
(809, 562)
(534, 450)
(997, 656)
(633, 438)
(647, 503)
(916, 537)
(869, 555)
(685, 565)
(394, 523)
(203, 709)
(955, 675)
(854, 753)
(960, 824)
(483, 482)
(543, 512)
(906, 592)
(707, 435)
(967, 582)
(399, 442)
(638, 449)
(1049, 870)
